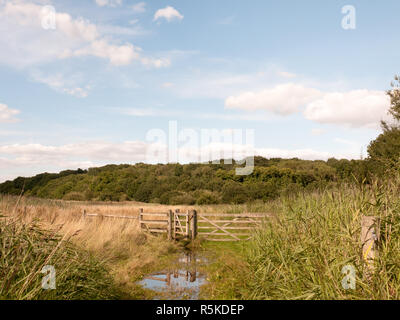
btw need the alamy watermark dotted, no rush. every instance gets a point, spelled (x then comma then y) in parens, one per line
(202, 145)
(349, 280)
(49, 280)
(349, 20)
(48, 18)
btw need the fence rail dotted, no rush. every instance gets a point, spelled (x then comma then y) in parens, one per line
(191, 225)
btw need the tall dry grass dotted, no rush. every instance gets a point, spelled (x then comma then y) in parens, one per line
(126, 252)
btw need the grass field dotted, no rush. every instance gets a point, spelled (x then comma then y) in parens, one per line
(297, 255)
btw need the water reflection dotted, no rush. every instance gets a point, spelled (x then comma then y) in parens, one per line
(182, 281)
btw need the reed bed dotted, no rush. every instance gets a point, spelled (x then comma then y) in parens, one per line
(301, 253)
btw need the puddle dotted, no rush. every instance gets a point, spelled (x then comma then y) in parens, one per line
(182, 281)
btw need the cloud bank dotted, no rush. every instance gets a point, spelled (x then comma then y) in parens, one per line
(356, 108)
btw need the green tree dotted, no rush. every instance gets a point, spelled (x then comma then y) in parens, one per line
(385, 150)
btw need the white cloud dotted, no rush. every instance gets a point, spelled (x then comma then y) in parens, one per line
(358, 108)
(157, 63)
(118, 55)
(168, 13)
(24, 42)
(7, 114)
(283, 99)
(94, 151)
(109, 3)
(139, 7)
(60, 83)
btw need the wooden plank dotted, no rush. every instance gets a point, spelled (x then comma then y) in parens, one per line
(225, 221)
(154, 222)
(227, 232)
(229, 215)
(178, 222)
(180, 233)
(225, 225)
(223, 234)
(228, 228)
(157, 230)
(110, 216)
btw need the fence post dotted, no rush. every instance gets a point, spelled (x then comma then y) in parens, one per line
(171, 227)
(194, 224)
(188, 218)
(176, 220)
(84, 213)
(141, 218)
(369, 239)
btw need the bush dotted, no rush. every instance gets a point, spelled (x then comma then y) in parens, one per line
(182, 199)
(74, 196)
(208, 197)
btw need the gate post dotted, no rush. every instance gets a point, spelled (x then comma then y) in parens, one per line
(171, 234)
(194, 224)
(188, 218)
(369, 239)
(141, 218)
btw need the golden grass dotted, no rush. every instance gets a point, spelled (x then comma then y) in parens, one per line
(127, 252)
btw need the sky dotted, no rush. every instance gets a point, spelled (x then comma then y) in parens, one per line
(93, 82)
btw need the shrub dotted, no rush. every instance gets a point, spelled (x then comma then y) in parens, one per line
(75, 196)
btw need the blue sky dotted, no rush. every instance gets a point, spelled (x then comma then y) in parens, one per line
(87, 90)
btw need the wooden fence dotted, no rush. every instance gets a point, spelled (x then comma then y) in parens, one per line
(208, 226)
(191, 225)
(231, 227)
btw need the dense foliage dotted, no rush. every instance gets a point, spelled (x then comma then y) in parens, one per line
(188, 184)
(385, 150)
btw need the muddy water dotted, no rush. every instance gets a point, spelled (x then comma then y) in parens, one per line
(181, 281)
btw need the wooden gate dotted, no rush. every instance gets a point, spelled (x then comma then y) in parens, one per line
(155, 222)
(175, 224)
(228, 227)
